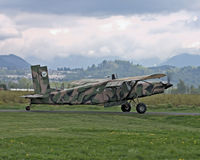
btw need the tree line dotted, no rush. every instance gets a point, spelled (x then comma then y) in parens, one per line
(22, 83)
(182, 88)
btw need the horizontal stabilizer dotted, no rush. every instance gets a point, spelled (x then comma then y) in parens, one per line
(33, 96)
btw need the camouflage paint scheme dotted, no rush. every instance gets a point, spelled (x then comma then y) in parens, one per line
(105, 92)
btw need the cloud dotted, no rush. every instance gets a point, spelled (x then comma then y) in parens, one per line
(97, 7)
(132, 37)
(7, 28)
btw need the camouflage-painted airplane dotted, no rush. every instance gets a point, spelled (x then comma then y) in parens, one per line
(107, 92)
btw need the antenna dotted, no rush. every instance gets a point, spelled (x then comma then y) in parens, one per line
(113, 76)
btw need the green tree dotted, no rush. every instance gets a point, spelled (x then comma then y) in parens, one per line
(181, 87)
(12, 85)
(24, 83)
(3, 86)
(194, 90)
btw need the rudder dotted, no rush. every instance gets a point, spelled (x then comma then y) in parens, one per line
(40, 79)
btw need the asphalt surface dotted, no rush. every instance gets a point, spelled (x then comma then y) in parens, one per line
(102, 112)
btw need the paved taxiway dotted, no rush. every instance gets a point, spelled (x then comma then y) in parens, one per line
(103, 112)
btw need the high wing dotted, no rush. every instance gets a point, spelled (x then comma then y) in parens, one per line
(146, 77)
(116, 82)
(87, 81)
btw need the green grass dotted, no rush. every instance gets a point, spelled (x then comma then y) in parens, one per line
(173, 99)
(58, 136)
(13, 97)
(150, 108)
(97, 136)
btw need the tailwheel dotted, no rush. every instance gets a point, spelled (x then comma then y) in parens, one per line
(126, 107)
(141, 108)
(28, 108)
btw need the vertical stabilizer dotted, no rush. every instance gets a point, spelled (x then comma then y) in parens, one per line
(40, 79)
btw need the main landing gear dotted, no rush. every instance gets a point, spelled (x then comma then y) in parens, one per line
(140, 107)
(28, 108)
(126, 107)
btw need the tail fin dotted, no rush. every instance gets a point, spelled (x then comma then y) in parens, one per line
(40, 79)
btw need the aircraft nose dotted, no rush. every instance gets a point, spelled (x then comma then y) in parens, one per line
(168, 85)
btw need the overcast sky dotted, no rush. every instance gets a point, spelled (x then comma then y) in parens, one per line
(130, 29)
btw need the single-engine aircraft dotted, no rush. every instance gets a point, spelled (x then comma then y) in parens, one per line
(107, 92)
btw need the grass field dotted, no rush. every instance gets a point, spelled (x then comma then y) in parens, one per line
(58, 136)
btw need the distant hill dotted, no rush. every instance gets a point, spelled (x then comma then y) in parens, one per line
(106, 68)
(190, 75)
(72, 61)
(80, 61)
(162, 68)
(13, 62)
(183, 60)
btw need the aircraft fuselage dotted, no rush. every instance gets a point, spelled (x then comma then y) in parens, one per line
(101, 93)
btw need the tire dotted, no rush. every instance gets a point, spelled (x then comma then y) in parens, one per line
(126, 107)
(141, 108)
(28, 108)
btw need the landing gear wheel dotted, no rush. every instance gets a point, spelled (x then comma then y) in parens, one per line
(28, 108)
(126, 107)
(141, 108)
